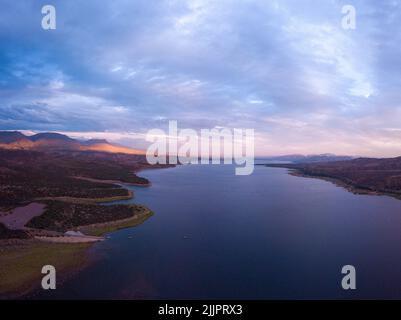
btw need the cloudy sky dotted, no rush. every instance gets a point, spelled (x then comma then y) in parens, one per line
(285, 68)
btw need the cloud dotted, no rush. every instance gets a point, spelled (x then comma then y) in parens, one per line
(284, 68)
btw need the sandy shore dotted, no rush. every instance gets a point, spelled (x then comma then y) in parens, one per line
(70, 239)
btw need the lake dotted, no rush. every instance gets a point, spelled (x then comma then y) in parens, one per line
(269, 235)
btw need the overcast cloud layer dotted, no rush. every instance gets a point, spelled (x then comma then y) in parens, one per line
(285, 68)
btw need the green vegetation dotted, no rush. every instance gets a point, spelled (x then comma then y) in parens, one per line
(63, 216)
(6, 233)
(22, 262)
(28, 175)
(101, 229)
(73, 184)
(128, 196)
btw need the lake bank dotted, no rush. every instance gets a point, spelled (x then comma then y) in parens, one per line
(359, 176)
(343, 184)
(22, 260)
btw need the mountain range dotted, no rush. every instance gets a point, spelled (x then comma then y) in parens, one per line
(50, 141)
(300, 158)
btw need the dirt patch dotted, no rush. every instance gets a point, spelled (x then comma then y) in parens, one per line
(19, 217)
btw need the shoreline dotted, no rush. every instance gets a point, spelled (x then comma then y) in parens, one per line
(22, 262)
(69, 257)
(129, 196)
(118, 182)
(101, 229)
(19, 258)
(340, 183)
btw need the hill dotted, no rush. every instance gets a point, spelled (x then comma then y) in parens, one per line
(361, 175)
(50, 141)
(299, 158)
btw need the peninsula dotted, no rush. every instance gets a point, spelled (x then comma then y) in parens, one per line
(52, 191)
(361, 175)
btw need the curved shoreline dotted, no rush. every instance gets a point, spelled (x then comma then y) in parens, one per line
(89, 200)
(345, 185)
(70, 257)
(118, 182)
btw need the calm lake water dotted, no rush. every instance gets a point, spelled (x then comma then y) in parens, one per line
(215, 235)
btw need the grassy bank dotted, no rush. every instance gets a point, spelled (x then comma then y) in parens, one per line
(103, 228)
(129, 196)
(22, 261)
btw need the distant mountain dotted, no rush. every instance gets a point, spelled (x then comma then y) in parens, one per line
(105, 146)
(299, 158)
(50, 136)
(11, 136)
(50, 140)
(94, 141)
(15, 140)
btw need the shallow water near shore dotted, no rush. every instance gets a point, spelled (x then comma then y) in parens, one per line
(269, 235)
